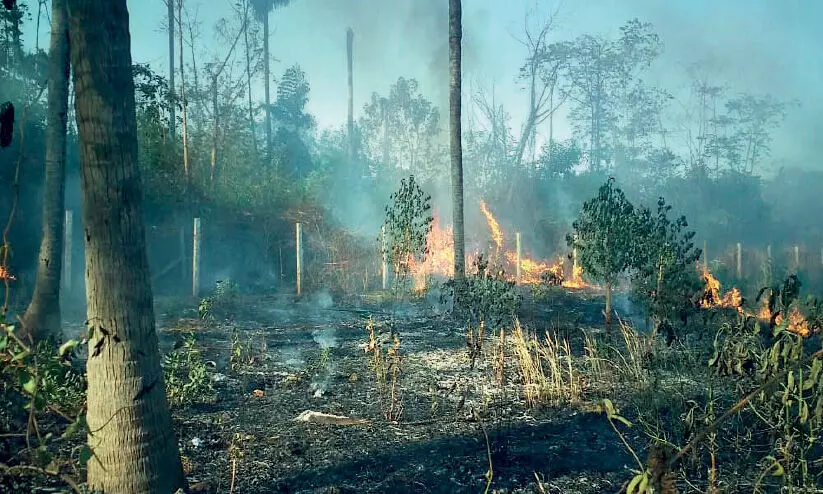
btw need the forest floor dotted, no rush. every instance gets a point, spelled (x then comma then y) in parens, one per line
(456, 420)
(262, 362)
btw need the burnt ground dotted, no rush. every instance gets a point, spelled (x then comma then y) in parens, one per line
(438, 445)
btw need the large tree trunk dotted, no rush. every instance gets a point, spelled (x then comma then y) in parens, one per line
(267, 74)
(42, 318)
(172, 102)
(455, 38)
(350, 123)
(134, 446)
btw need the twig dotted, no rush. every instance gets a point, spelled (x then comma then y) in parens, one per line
(739, 406)
(28, 469)
(490, 472)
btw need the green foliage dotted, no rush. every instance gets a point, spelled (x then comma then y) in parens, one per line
(605, 234)
(401, 131)
(408, 223)
(664, 280)
(486, 298)
(222, 302)
(187, 377)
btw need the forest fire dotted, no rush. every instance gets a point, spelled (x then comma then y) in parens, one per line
(798, 324)
(439, 259)
(494, 226)
(5, 274)
(712, 298)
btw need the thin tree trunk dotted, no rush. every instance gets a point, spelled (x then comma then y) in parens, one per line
(134, 445)
(608, 303)
(455, 56)
(172, 103)
(266, 70)
(248, 82)
(215, 123)
(42, 318)
(349, 58)
(183, 93)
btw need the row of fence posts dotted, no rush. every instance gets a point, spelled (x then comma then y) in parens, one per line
(384, 268)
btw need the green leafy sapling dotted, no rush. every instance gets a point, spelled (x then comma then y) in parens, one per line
(604, 236)
(664, 279)
(407, 226)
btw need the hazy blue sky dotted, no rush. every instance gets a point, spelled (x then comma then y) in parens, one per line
(751, 45)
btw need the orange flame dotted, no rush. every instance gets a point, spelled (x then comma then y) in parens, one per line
(713, 299)
(798, 324)
(494, 226)
(439, 259)
(5, 274)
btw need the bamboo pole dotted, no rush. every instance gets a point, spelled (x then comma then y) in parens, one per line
(195, 259)
(299, 255)
(384, 263)
(518, 257)
(67, 250)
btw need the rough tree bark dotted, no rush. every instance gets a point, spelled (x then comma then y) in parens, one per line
(455, 84)
(134, 446)
(42, 318)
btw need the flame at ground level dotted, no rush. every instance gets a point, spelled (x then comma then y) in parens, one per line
(797, 323)
(439, 259)
(5, 274)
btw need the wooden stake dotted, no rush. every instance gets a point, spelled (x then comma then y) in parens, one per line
(67, 250)
(574, 256)
(299, 255)
(384, 258)
(183, 254)
(518, 256)
(739, 261)
(195, 259)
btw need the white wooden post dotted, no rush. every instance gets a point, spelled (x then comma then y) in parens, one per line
(67, 250)
(299, 248)
(195, 259)
(796, 258)
(384, 256)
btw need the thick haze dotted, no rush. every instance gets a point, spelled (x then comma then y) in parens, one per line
(758, 46)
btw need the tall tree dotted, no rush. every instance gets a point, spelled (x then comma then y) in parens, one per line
(183, 91)
(262, 9)
(350, 122)
(597, 75)
(455, 93)
(172, 102)
(42, 318)
(134, 446)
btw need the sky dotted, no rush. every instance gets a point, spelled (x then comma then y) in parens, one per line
(757, 46)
